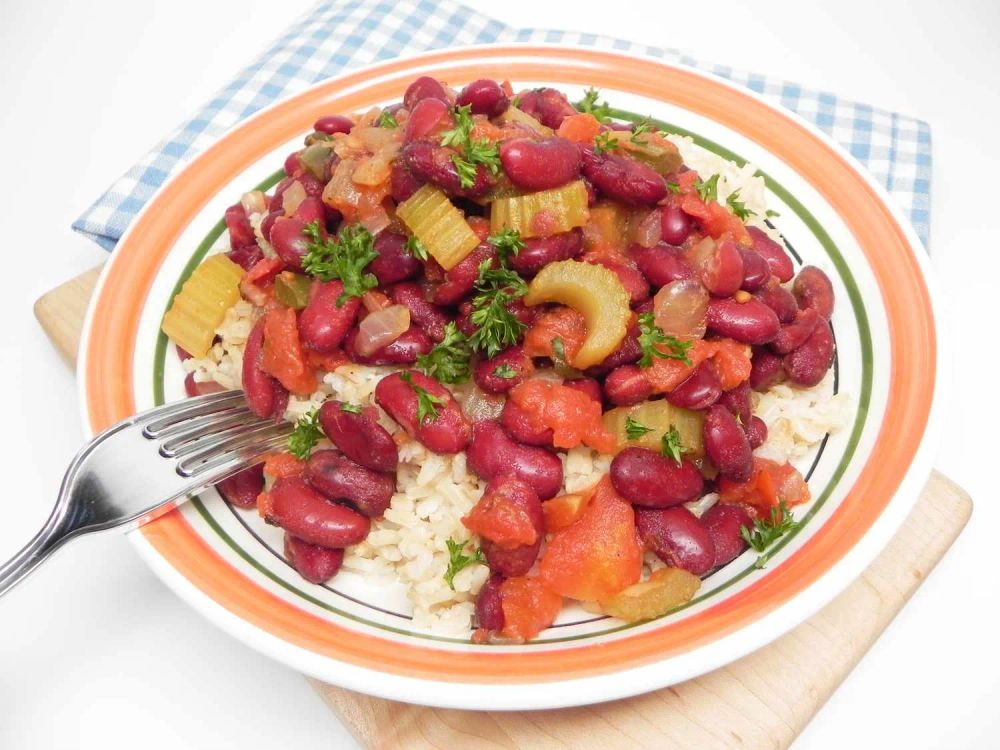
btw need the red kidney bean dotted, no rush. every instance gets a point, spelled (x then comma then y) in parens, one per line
(402, 182)
(182, 354)
(359, 436)
(289, 243)
(484, 97)
(312, 186)
(403, 351)
(722, 274)
(722, 522)
(513, 360)
(340, 478)
(699, 390)
(489, 607)
(756, 431)
(314, 563)
(331, 124)
(394, 262)
(492, 454)
(449, 432)
(460, 280)
(677, 537)
(268, 222)
(422, 88)
(238, 224)
(651, 480)
(514, 561)
(242, 488)
(794, 335)
(432, 163)
(540, 164)
(518, 424)
(627, 385)
(622, 179)
(305, 513)
(427, 118)
(660, 264)
(538, 252)
(292, 165)
(773, 253)
(737, 400)
(323, 324)
(431, 318)
(675, 225)
(246, 257)
(778, 299)
(194, 387)
(310, 210)
(813, 290)
(631, 278)
(808, 364)
(588, 386)
(333, 218)
(756, 270)
(750, 322)
(274, 203)
(766, 369)
(726, 444)
(265, 396)
(549, 106)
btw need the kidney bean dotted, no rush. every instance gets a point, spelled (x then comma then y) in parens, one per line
(292, 165)
(675, 225)
(773, 253)
(756, 270)
(722, 272)
(312, 186)
(265, 396)
(726, 444)
(540, 164)
(274, 203)
(489, 607)
(432, 163)
(518, 424)
(289, 243)
(756, 431)
(699, 390)
(403, 351)
(630, 277)
(588, 386)
(766, 369)
(331, 124)
(627, 385)
(737, 400)
(484, 97)
(660, 264)
(512, 360)
(310, 210)
(402, 182)
(651, 480)
(492, 454)
(359, 436)
(449, 432)
(461, 279)
(194, 387)
(813, 290)
(538, 252)
(778, 299)
(722, 522)
(340, 478)
(422, 88)
(314, 563)
(246, 257)
(622, 179)
(514, 561)
(794, 335)
(268, 222)
(242, 488)
(238, 224)
(394, 262)
(427, 118)
(750, 322)
(323, 324)
(677, 537)
(549, 106)
(431, 318)
(808, 364)
(305, 513)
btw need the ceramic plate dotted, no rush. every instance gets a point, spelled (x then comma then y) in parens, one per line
(864, 479)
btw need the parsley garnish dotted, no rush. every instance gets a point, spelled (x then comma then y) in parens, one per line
(427, 402)
(507, 372)
(507, 242)
(558, 349)
(673, 187)
(709, 189)
(589, 104)
(306, 434)
(351, 408)
(635, 430)
(652, 340)
(766, 531)
(416, 248)
(458, 560)
(771, 214)
(386, 120)
(738, 207)
(670, 444)
(472, 152)
(448, 361)
(605, 142)
(343, 257)
(497, 327)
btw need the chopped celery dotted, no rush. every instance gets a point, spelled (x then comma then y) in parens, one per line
(649, 421)
(201, 304)
(292, 289)
(438, 225)
(659, 153)
(544, 213)
(315, 157)
(514, 115)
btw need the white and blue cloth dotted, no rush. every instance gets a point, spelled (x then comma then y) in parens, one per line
(341, 35)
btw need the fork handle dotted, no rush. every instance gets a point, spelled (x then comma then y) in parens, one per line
(57, 529)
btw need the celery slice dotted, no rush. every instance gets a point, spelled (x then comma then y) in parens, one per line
(514, 115)
(563, 207)
(201, 304)
(661, 155)
(438, 225)
(658, 417)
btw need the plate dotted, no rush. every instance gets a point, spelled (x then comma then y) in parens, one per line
(864, 479)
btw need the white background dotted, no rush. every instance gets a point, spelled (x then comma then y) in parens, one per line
(96, 653)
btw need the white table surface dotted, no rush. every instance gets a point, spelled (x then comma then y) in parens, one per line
(96, 653)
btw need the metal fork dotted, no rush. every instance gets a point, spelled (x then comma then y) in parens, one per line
(145, 466)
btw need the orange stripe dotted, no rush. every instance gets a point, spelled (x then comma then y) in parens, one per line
(892, 260)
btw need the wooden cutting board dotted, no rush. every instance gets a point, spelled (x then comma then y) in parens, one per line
(761, 701)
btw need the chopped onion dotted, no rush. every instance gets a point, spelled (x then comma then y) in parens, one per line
(254, 202)
(292, 198)
(679, 309)
(376, 169)
(700, 506)
(374, 301)
(647, 230)
(377, 220)
(381, 328)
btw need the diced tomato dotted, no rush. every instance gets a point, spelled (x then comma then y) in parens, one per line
(729, 359)
(264, 270)
(264, 504)
(528, 607)
(281, 465)
(326, 362)
(564, 510)
(731, 362)
(607, 229)
(716, 219)
(573, 416)
(480, 226)
(284, 357)
(563, 323)
(770, 484)
(500, 519)
(582, 128)
(597, 556)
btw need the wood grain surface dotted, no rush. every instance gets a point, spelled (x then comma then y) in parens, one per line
(761, 701)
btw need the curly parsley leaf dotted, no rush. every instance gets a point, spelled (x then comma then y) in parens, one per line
(655, 343)
(306, 434)
(416, 248)
(559, 350)
(670, 444)
(497, 327)
(471, 151)
(350, 408)
(508, 242)
(709, 189)
(427, 402)
(589, 104)
(605, 142)
(458, 560)
(448, 361)
(386, 120)
(507, 372)
(343, 257)
(635, 429)
(738, 207)
(766, 531)
(674, 187)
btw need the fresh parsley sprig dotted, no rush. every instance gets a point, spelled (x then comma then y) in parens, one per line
(589, 104)
(708, 190)
(507, 372)
(459, 561)
(448, 361)
(670, 444)
(471, 151)
(766, 531)
(386, 120)
(738, 207)
(306, 434)
(416, 248)
(508, 242)
(497, 327)
(350, 408)
(655, 343)
(343, 257)
(635, 429)
(605, 142)
(427, 402)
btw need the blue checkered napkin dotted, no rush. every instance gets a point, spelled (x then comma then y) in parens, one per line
(338, 36)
